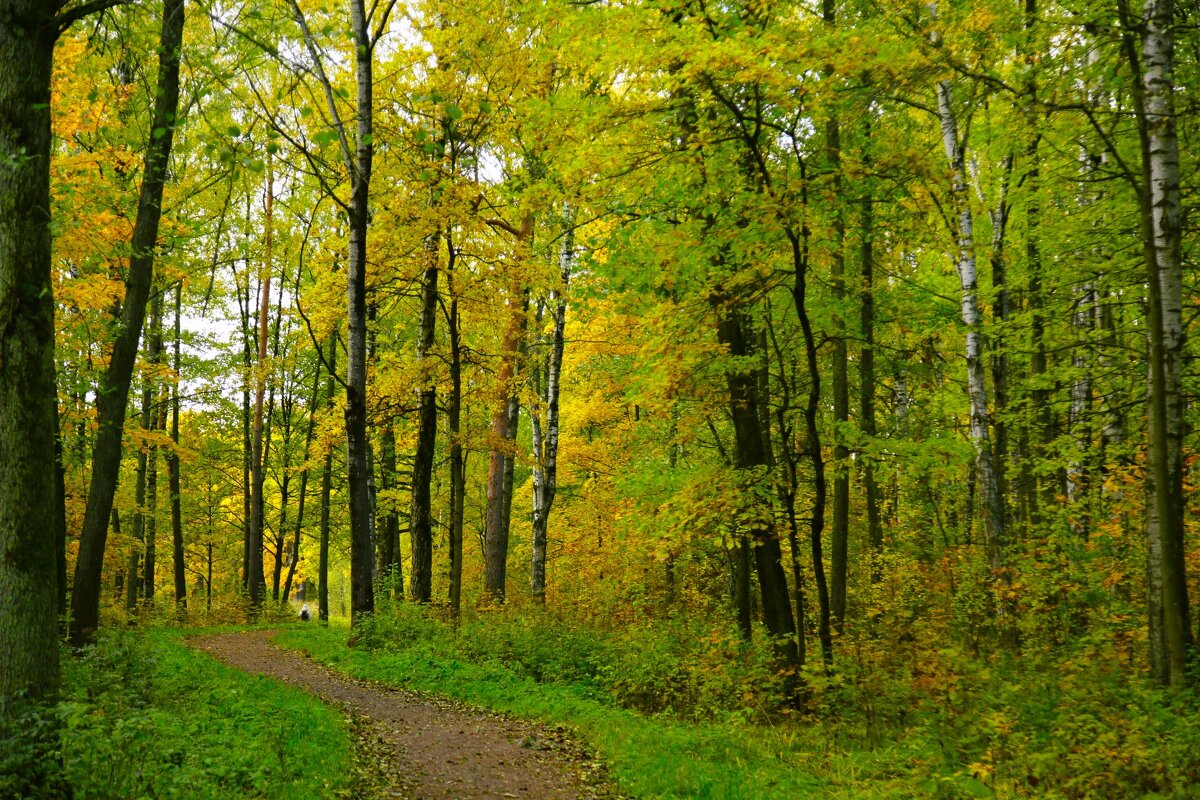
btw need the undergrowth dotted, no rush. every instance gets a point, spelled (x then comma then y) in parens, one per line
(141, 715)
(682, 709)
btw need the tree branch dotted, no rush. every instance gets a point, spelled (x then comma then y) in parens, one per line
(69, 17)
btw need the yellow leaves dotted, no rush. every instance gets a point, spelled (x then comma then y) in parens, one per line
(91, 293)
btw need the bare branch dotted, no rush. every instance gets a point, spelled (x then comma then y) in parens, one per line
(326, 85)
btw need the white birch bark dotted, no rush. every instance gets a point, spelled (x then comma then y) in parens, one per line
(545, 444)
(1165, 524)
(972, 318)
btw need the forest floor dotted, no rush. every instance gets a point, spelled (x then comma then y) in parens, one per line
(419, 746)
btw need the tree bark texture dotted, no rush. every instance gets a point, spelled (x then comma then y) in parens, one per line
(1161, 212)
(973, 320)
(421, 511)
(362, 557)
(28, 397)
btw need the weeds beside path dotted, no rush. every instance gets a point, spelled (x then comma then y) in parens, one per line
(423, 747)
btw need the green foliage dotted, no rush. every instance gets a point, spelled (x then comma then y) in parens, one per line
(679, 667)
(143, 716)
(650, 757)
(30, 761)
(677, 709)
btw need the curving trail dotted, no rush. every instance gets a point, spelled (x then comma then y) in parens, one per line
(420, 747)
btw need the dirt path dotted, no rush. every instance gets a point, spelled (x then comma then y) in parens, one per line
(426, 748)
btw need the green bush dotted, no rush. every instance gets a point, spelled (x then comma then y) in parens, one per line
(144, 716)
(675, 666)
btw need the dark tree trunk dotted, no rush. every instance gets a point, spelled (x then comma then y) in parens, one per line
(257, 581)
(390, 565)
(866, 376)
(421, 514)
(247, 431)
(28, 397)
(362, 557)
(173, 467)
(136, 584)
(310, 431)
(813, 442)
(457, 460)
(155, 395)
(326, 491)
(840, 533)
(114, 387)
(152, 503)
(749, 456)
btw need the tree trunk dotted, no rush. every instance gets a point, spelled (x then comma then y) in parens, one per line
(388, 544)
(114, 388)
(750, 457)
(136, 584)
(840, 534)
(257, 581)
(545, 448)
(840, 530)
(1001, 312)
(421, 514)
(247, 427)
(503, 421)
(813, 441)
(326, 491)
(458, 483)
(362, 596)
(976, 388)
(151, 562)
(1162, 245)
(157, 415)
(28, 396)
(173, 466)
(866, 375)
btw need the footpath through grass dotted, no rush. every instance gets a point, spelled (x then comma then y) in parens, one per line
(649, 756)
(143, 715)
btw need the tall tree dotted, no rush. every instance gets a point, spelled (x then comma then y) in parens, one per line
(113, 394)
(256, 582)
(1160, 201)
(965, 265)
(28, 397)
(545, 438)
(357, 159)
(174, 478)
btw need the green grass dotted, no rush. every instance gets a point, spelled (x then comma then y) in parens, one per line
(648, 756)
(145, 716)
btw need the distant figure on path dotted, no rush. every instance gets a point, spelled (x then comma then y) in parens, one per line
(304, 613)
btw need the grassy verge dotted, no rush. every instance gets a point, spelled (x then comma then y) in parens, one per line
(649, 756)
(145, 716)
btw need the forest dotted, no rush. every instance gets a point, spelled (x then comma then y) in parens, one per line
(800, 389)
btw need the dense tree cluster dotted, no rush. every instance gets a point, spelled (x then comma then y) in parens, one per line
(849, 319)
